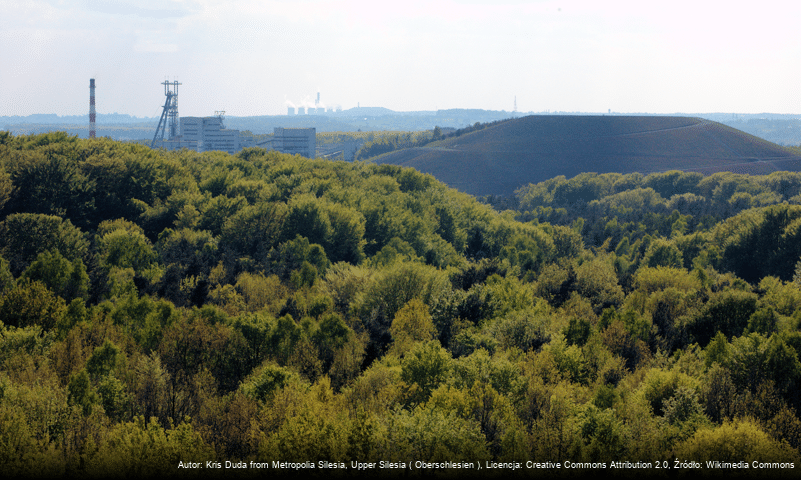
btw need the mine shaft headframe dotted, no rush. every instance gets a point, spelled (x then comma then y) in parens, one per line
(169, 115)
(171, 88)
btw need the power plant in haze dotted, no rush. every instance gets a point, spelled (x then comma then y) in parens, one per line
(308, 108)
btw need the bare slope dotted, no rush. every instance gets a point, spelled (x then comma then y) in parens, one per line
(499, 159)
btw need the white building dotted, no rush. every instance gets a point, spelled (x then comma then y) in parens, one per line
(302, 141)
(208, 133)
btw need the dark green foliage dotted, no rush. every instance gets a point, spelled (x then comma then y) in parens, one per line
(606, 397)
(306, 218)
(764, 321)
(254, 230)
(718, 350)
(346, 240)
(6, 278)
(727, 312)
(113, 397)
(602, 434)
(525, 330)
(266, 381)
(217, 210)
(682, 406)
(81, 392)
(23, 236)
(255, 329)
(292, 255)
(144, 319)
(49, 182)
(189, 256)
(577, 331)
(284, 338)
(191, 345)
(672, 183)
(762, 243)
(331, 336)
(103, 360)
(782, 365)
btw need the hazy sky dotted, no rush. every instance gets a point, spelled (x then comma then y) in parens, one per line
(249, 57)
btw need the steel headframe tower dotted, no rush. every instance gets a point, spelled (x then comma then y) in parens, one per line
(91, 108)
(170, 113)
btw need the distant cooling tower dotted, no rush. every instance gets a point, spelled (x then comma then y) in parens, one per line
(301, 110)
(290, 110)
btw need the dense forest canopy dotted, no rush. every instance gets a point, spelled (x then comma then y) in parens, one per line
(159, 307)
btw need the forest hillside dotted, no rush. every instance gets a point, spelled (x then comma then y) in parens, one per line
(506, 155)
(162, 307)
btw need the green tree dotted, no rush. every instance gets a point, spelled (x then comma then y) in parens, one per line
(346, 241)
(31, 304)
(254, 230)
(23, 236)
(81, 392)
(103, 360)
(125, 247)
(66, 279)
(423, 369)
(727, 311)
(782, 365)
(411, 324)
(47, 182)
(330, 337)
(307, 218)
(663, 253)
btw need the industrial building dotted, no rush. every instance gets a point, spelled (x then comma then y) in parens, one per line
(301, 141)
(205, 134)
(209, 133)
(202, 134)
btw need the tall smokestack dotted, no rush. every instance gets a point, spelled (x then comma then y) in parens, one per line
(91, 108)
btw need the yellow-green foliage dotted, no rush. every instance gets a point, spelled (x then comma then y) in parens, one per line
(145, 449)
(651, 279)
(411, 324)
(159, 307)
(736, 441)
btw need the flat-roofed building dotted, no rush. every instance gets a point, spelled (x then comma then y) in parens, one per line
(208, 133)
(301, 141)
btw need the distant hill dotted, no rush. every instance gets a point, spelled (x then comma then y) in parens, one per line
(500, 158)
(362, 119)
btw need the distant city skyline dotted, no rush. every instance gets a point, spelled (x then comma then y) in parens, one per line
(251, 57)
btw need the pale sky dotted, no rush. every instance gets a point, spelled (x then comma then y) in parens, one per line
(251, 57)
